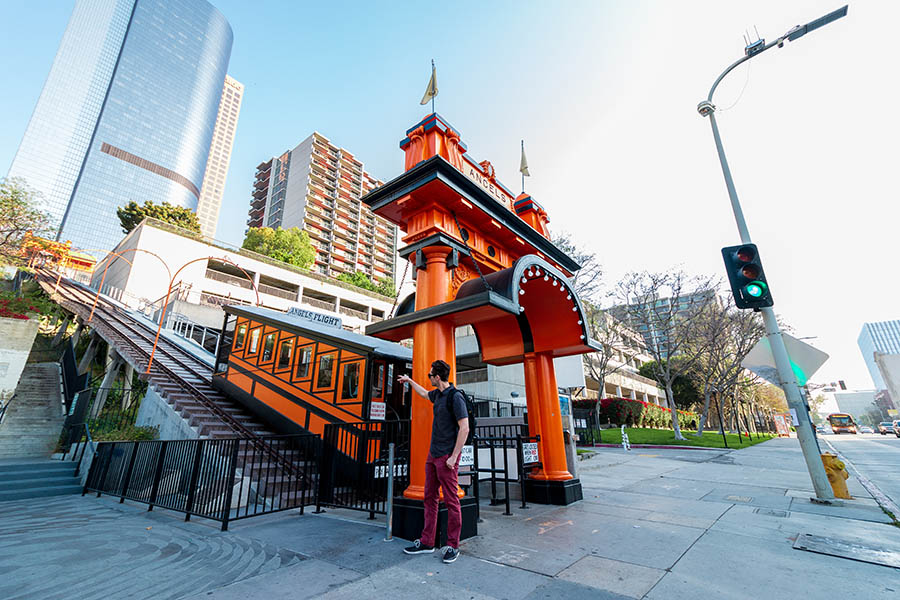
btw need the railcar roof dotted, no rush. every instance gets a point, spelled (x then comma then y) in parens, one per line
(318, 330)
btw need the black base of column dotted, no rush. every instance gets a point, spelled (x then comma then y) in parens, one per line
(409, 519)
(561, 493)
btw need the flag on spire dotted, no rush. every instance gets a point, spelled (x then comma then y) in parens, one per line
(432, 89)
(523, 164)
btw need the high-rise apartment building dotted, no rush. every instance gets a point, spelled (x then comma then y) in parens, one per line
(881, 338)
(317, 187)
(126, 113)
(219, 157)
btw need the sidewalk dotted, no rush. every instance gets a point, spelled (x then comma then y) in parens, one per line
(658, 524)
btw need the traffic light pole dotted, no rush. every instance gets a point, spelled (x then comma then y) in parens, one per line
(789, 383)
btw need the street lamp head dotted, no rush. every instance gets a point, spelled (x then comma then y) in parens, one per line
(706, 108)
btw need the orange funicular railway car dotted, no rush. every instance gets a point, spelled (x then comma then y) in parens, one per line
(299, 371)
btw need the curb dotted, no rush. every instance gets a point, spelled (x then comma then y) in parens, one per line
(661, 447)
(886, 504)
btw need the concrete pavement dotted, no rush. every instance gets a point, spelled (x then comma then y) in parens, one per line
(654, 524)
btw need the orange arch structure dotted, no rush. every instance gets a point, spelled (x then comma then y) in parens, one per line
(482, 257)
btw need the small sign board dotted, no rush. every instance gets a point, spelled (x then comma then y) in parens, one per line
(581, 424)
(309, 315)
(530, 453)
(782, 425)
(381, 471)
(377, 411)
(467, 456)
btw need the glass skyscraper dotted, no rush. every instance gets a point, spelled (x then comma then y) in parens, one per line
(127, 113)
(882, 337)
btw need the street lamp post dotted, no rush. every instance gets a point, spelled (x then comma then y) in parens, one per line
(789, 383)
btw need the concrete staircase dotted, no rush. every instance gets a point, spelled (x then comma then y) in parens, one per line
(33, 420)
(24, 479)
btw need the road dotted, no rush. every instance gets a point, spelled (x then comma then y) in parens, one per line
(876, 456)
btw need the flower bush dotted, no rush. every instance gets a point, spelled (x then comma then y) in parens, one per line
(16, 308)
(636, 413)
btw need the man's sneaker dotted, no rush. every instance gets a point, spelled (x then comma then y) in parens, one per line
(418, 548)
(451, 554)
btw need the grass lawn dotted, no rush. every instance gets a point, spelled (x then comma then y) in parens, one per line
(709, 439)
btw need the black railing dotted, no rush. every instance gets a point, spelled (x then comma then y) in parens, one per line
(584, 422)
(222, 479)
(494, 457)
(79, 440)
(108, 412)
(354, 468)
(72, 381)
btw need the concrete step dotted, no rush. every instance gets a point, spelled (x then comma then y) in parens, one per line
(9, 485)
(24, 470)
(43, 492)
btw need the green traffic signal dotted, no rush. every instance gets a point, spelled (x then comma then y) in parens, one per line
(755, 289)
(745, 274)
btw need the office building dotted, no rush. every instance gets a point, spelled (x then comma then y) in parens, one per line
(878, 338)
(652, 318)
(317, 187)
(219, 157)
(127, 113)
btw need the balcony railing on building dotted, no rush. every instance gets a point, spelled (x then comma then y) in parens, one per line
(230, 279)
(329, 306)
(280, 293)
(350, 312)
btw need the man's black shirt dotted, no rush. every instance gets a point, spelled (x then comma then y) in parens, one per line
(449, 407)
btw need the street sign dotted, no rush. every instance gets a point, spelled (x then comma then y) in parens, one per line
(805, 360)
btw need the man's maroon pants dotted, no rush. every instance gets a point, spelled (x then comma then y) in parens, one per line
(437, 474)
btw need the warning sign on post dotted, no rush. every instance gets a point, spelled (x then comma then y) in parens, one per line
(467, 456)
(530, 453)
(377, 411)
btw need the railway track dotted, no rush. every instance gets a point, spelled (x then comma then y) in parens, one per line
(182, 379)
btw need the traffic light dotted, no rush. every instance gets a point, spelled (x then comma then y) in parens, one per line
(746, 276)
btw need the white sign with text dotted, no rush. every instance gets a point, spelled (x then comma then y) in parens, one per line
(467, 456)
(530, 453)
(377, 411)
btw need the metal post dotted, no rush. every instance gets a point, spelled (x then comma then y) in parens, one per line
(161, 457)
(128, 472)
(390, 493)
(229, 490)
(195, 473)
(506, 475)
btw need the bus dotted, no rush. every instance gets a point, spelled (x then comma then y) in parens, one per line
(842, 423)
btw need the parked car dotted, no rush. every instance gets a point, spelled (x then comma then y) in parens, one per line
(885, 427)
(867, 429)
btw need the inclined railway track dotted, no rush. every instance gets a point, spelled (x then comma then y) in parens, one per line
(183, 379)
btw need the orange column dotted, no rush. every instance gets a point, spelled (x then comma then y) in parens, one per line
(543, 406)
(432, 340)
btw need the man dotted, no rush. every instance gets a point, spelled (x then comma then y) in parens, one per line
(449, 429)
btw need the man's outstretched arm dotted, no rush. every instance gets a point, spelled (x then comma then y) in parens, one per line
(418, 388)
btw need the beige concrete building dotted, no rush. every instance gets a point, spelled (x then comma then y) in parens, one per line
(317, 187)
(218, 275)
(219, 156)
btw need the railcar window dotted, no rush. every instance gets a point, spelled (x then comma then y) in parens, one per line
(268, 347)
(303, 362)
(351, 381)
(390, 379)
(239, 336)
(284, 355)
(254, 341)
(378, 383)
(326, 370)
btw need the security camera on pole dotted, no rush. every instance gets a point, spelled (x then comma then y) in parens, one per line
(756, 296)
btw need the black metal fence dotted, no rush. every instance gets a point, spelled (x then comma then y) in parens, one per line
(584, 421)
(354, 468)
(219, 479)
(72, 381)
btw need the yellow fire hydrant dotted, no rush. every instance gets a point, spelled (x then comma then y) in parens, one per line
(837, 475)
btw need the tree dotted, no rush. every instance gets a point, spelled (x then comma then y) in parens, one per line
(287, 245)
(19, 214)
(587, 281)
(667, 307)
(727, 335)
(611, 334)
(685, 389)
(385, 286)
(131, 215)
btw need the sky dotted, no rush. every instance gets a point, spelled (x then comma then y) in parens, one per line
(604, 93)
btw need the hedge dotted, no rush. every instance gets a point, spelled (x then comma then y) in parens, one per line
(636, 413)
